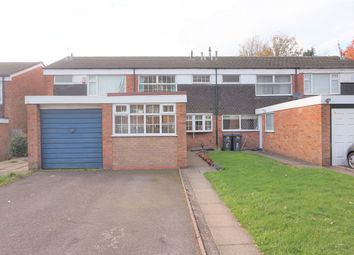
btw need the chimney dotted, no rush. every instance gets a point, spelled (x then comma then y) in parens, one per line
(191, 54)
(216, 55)
(210, 53)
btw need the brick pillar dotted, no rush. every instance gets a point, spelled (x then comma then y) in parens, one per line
(298, 87)
(49, 84)
(326, 134)
(107, 142)
(34, 137)
(181, 135)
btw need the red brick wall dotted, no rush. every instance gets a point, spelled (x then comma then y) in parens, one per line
(301, 133)
(5, 139)
(49, 84)
(30, 83)
(107, 142)
(34, 137)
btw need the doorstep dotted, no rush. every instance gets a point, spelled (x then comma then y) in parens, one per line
(221, 232)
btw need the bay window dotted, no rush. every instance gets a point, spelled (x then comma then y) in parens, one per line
(144, 119)
(321, 84)
(103, 84)
(273, 85)
(157, 83)
(239, 123)
(199, 122)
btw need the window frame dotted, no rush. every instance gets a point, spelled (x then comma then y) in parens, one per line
(273, 124)
(96, 80)
(204, 115)
(273, 83)
(128, 114)
(157, 83)
(201, 82)
(232, 82)
(240, 123)
(63, 83)
(1, 90)
(330, 83)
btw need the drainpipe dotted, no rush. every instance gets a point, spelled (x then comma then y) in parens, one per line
(216, 107)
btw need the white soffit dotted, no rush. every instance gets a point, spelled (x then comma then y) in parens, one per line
(136, 99)
(323, 99)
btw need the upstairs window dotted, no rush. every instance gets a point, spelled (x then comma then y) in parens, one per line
(103, 84)
(157, 83)
(63, 79)
(230, 78)
(199, 122)
(201, 78)
(269, 122)
(239, 123)
(144, 119)
(273, 85)
(321, 84)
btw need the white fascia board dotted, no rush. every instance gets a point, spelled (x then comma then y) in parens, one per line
(346, 70)
(106, 100)
(291, 104)
(256, 71)
(87, 71)
(26, 70)
(338, 99)
(4, 121)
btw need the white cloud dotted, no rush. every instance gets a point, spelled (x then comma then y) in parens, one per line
(48, 30)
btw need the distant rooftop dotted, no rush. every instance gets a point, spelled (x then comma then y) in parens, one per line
(8, 68)
(198, 63)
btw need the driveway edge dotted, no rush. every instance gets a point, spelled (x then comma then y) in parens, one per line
(191, 213)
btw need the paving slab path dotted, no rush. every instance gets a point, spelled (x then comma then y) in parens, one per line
(227, 233)
(15, 165)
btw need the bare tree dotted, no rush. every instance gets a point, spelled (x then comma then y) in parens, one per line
(253, 47)
(283, 45)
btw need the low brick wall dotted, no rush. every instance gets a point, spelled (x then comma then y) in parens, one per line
(5, 140)
(301, 133)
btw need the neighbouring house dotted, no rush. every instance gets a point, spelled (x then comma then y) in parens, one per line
(140, 105)
(17, 80)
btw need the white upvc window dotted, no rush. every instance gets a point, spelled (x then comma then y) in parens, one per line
(101, 85)
(63, 79)
(321, 84)
(1, 91)
(201, 78)
(239, 123)
(269, 122)
(199, 122)
(274, 85)
(231, 78)
(157, 83)
(144, 119)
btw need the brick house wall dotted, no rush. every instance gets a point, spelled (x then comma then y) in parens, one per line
(302, 133)
(34, 137)
(4, 141)
(30, 83)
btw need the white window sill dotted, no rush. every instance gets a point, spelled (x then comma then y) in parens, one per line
(275, 95)
(314, 94)
(269, 131)
(144, 135)
(199, 131)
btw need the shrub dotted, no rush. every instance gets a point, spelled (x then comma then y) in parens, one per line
(19, 146)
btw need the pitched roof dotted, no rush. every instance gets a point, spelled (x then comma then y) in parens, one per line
(8, 68)
(196, 62)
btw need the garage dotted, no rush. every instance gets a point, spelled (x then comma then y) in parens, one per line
(342, 134)
(71, 138)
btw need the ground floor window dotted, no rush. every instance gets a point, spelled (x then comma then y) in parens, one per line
(197, 122)
(269, 122)
(239, 122)
(144, 119)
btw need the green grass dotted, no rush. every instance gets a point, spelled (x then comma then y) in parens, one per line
(12, 177)
(287, 210)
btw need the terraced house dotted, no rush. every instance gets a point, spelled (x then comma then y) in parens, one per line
(145, 112)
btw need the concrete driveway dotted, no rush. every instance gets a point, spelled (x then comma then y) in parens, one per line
(91, 212)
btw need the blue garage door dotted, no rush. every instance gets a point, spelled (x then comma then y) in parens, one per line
(71, 138)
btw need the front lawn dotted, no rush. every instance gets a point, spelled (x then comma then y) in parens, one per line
(12, 177)
(287, 210)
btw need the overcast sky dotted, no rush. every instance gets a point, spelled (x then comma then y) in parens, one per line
(48, 30)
